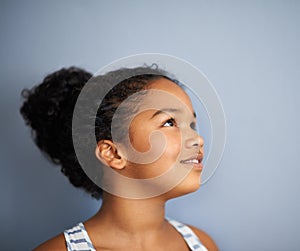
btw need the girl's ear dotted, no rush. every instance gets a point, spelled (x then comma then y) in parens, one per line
(107, 153)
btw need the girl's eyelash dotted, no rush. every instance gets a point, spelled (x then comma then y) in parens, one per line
(193, 125)
(172, 120)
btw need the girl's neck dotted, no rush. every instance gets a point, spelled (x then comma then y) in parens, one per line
(132, 216)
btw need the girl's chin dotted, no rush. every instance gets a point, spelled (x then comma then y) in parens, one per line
(186, 187)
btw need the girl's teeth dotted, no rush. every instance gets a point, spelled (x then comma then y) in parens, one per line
(192, 161)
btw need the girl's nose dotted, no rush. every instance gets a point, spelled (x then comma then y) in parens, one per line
(195, 141)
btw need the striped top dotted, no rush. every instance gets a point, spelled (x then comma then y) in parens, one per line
(77, 238)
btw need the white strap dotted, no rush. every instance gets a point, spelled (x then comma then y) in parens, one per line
(77, 239)
(189, 236)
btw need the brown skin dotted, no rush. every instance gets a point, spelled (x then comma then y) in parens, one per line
(58, 243)
(139, 224)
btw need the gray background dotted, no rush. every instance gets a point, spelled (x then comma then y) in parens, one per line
(250, 52)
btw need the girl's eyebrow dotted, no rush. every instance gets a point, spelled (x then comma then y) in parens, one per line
(168, 110)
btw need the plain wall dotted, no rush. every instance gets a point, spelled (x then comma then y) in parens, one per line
(250, 52)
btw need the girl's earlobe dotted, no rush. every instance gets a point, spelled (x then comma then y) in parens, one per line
(107, 153)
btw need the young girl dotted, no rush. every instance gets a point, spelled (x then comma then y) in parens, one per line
(160, 124)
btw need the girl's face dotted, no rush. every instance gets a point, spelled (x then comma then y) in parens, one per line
(163, 130)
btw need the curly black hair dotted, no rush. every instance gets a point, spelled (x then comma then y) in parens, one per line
(48, 110)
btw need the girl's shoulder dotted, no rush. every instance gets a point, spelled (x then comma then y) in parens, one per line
(205, 239)
(57, 243)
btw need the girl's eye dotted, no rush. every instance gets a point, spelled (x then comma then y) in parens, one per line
(193, 126)
(170, 122)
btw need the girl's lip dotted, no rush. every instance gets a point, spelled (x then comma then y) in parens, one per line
(194, 160)
(198, 167)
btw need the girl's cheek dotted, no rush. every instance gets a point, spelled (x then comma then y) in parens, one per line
(139, 140)
(174, 144)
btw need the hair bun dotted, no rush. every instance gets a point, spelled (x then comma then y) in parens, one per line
(48, 110)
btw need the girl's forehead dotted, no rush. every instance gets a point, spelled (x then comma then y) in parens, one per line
(164, 92)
